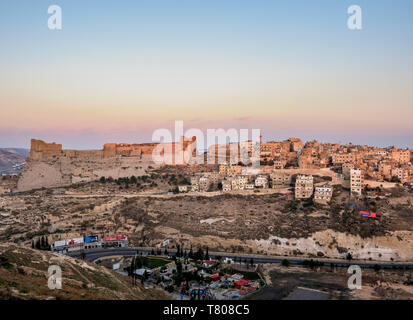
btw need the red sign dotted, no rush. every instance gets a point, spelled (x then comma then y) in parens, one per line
(118, 237)
(365, 214)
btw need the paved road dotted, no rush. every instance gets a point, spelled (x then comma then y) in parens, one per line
(93, 254)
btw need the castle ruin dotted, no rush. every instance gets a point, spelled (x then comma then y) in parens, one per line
(49, 165)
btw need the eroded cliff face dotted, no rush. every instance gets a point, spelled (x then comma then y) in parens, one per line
(396, 246)
(63, 171)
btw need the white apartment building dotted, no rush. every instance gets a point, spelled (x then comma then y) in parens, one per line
(356, 181)
(323, 194)
(239, 183)
(261, 181)
(226, 186)
(204, 184)
(183, 188)
(195, 187)
(249, 186)
(304, 186)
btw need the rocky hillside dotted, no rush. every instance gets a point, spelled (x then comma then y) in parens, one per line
(24, 275)
(10, 159)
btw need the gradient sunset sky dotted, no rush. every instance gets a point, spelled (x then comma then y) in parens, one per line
(121, 69)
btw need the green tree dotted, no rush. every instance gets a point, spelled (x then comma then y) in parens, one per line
(200, 254)
(37, 244)
(138, 263)
(179, 267)
(47, 244)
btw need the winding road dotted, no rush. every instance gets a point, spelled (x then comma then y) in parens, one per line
(94, 254)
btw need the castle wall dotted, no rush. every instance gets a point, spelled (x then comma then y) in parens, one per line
(50, 166)
(40, 149)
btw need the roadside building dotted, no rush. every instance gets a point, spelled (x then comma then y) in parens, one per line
(304, 186)
(75, 244)
(142, 272)
(59, 246)
(120, 240)
(91, 242)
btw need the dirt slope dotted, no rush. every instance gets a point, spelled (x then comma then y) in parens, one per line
(24, 275)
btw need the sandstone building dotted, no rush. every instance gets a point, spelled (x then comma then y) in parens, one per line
(303, 186)
(323, 194)
(356, 181)
(281, 179)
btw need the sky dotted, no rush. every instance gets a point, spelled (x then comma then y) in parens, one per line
(118, 70)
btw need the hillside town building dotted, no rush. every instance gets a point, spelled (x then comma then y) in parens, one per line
(356, 181)
(303, 186)
(323, 194)
(281, 179)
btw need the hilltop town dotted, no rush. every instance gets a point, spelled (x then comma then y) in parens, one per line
(305, 201)
(359, 168)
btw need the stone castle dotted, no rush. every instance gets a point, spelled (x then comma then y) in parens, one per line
(49, 165)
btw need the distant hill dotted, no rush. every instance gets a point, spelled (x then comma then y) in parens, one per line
(20, 151)
(24, 276)
(11, 161)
